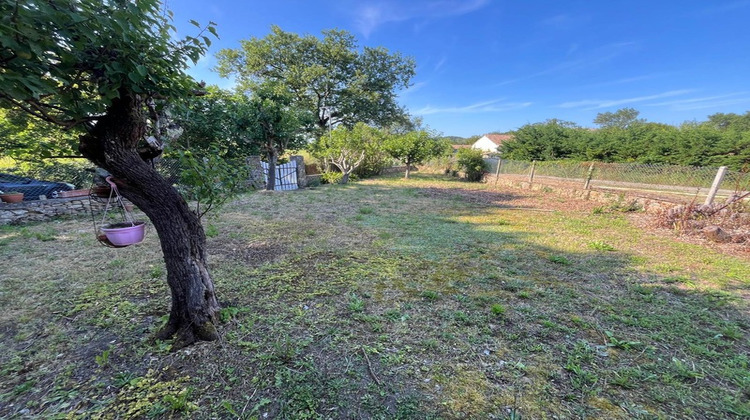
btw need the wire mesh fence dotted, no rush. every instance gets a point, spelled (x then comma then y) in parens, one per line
(65, 177)
(664, 180)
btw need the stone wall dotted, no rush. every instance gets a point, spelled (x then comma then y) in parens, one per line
(31, 211)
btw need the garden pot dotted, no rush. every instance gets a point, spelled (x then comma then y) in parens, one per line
(124, 234)
(72, 193)
(12, 198)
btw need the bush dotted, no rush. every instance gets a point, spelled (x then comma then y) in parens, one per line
(331, 177)
(373, 164)
(470, 161)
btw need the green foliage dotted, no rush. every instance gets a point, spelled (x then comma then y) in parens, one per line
(57, 65)
(210, 180)
(331, 177)
(601, 246)
(622, 118)
(27, 139)
(414, 147)
(723, 140)
(218, 121)
(359, 85)
(348, 148)
(471, 162)
(498, 309)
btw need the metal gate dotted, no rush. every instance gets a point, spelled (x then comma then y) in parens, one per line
(286, 176)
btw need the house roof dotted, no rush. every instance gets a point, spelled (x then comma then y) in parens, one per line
(498, 139)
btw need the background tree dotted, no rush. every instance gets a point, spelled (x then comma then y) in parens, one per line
(415, 147)
(104, 68)
(552, 139)
(276, 124)
(347, 148)
(25, 138)
(219, 122)
(330, 77)
(622, 118)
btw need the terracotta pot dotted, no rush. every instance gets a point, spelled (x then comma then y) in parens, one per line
(12, 198)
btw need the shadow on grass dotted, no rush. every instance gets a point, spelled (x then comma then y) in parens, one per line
(391, 299)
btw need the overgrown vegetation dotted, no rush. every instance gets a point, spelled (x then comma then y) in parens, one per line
(471, 163)
(722, 140)
(388, 298)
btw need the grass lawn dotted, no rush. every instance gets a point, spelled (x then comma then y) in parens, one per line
(428, 298)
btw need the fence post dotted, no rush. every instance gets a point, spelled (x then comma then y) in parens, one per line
(256, 178)
(301, 175)
(715, 186)
(533, 170)
(497, 171)
(587, 184)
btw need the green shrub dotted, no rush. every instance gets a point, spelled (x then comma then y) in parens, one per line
(331, 177)
(470, 161)
(373, 164)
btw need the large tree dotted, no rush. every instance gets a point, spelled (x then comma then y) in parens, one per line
(275, 124)
(105, 68)
(347, 148)
(329, 77)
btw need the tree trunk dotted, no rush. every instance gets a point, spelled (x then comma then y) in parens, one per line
(408, 166)
(273, 157)
(345, 177)
(112, 145)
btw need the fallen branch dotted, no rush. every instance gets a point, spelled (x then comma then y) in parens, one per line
(369, 368)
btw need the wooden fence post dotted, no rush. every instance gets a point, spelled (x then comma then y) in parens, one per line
(533, 170)
(587, 184)
(715, 186)
(497, 171)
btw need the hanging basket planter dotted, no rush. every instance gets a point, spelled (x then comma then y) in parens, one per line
(124, 233)
(121, 234)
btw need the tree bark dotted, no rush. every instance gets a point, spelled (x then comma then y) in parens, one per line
(408, 166)
(273, 157)
(112, 144)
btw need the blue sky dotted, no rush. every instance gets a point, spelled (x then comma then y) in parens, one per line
(492, 65)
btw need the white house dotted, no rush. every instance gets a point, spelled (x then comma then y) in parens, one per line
(490, 142)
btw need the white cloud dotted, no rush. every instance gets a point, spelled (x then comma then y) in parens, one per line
(413, 88)
(587, 61)
(440, 63)
(371, 16)
(706, 102)
(606, 103)
(487, 106)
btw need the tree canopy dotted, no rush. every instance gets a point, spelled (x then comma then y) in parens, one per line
(622, 118)
(107, 69)
(722, 140)
(348, 148)
(331, 77)
(414, 147)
